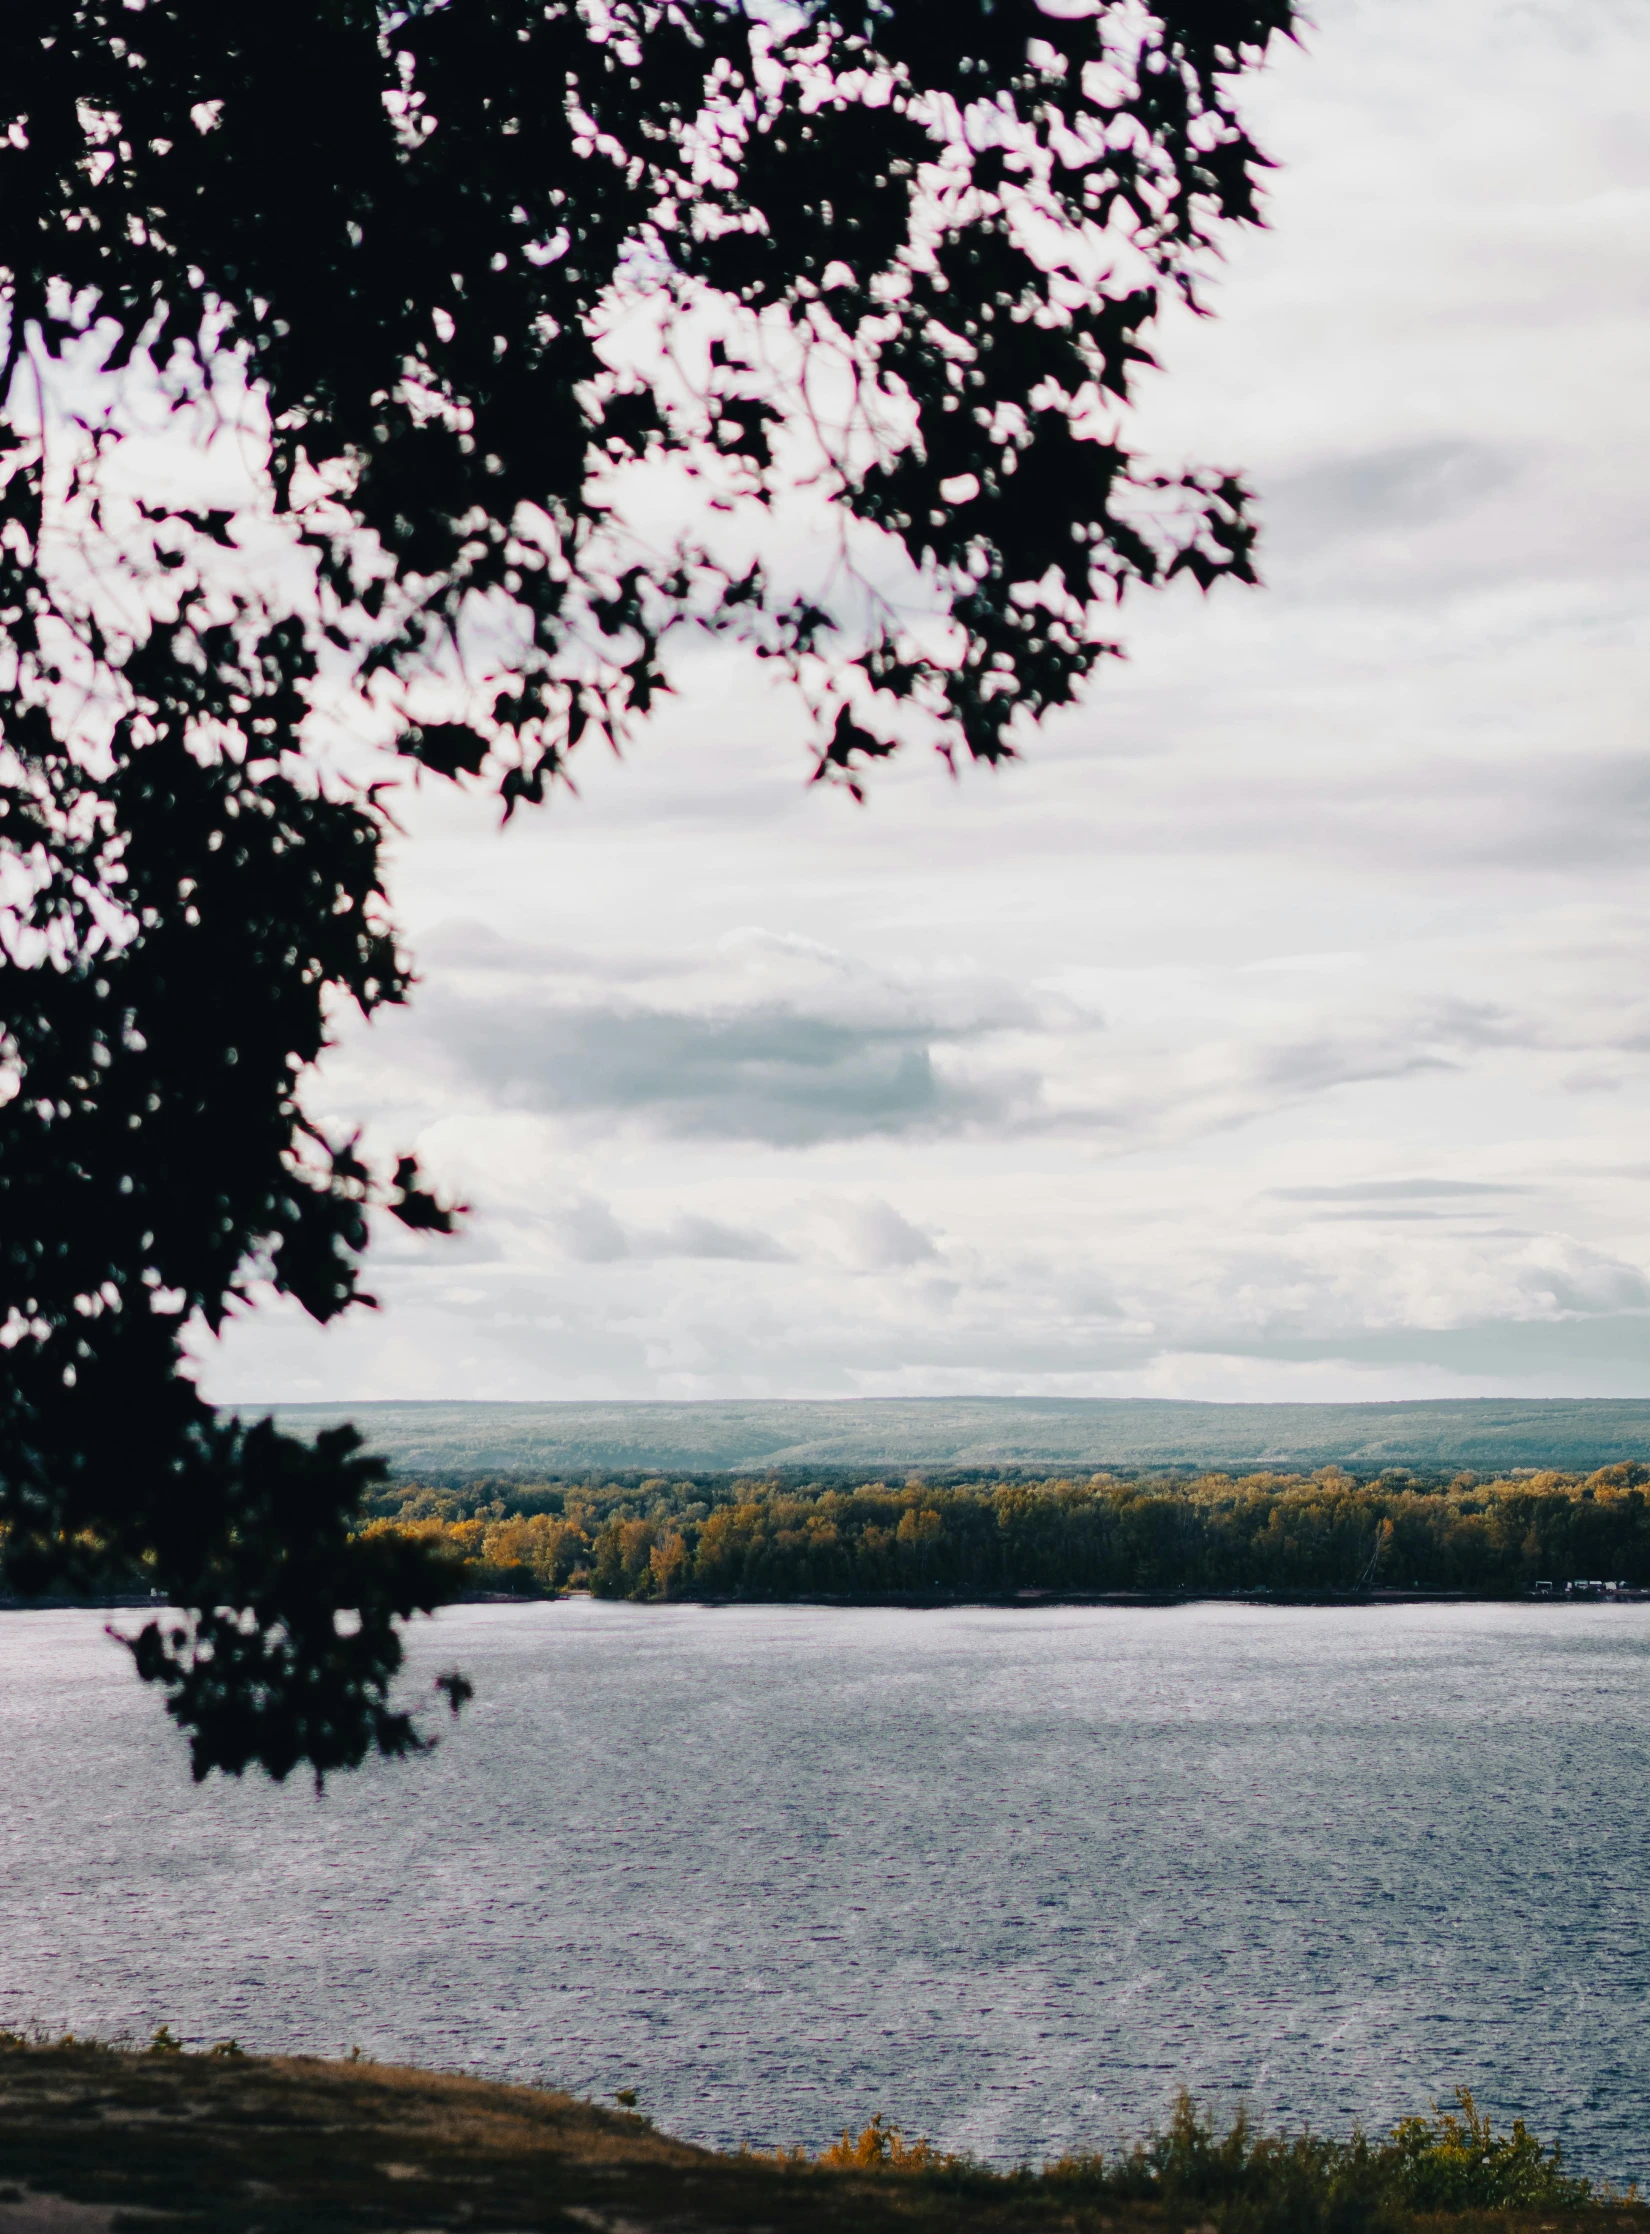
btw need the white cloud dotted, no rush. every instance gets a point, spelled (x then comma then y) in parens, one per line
(590, 1234)
(872, 1236)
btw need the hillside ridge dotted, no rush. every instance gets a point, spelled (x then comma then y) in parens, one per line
(446, 1439)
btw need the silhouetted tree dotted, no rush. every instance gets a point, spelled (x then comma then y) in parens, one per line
(353, 354)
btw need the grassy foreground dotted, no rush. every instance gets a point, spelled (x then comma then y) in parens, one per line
(93, 2140)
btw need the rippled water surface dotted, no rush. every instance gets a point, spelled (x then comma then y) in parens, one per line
(1011, 1876)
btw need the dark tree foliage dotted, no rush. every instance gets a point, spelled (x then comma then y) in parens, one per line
(400, 380)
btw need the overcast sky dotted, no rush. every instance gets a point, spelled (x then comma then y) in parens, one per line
(1280, 1028)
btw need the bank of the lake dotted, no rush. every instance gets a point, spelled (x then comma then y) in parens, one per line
(94, 2139)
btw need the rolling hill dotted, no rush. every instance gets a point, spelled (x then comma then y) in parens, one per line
(449, 1442)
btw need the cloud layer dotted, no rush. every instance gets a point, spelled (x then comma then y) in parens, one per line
(1279, 1027)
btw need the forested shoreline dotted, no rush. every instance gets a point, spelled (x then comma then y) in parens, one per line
(1326, 1534)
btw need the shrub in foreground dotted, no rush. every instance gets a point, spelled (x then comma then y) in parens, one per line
(1247, 2179)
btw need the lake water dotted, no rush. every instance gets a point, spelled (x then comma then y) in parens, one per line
(1010, 1876)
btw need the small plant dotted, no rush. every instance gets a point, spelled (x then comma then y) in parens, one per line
(164, 2043)
(1456, 2161)
(230, 2050)
(625, 2097)
(879, 2147)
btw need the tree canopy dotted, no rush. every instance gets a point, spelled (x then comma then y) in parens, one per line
(386, 389)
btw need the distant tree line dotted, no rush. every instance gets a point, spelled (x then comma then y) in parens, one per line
(1327, 1533)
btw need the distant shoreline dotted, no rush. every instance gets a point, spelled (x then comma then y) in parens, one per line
(1029, 1601)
